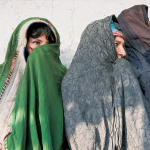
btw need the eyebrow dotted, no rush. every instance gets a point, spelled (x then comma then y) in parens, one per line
(37, 40)
(120, 42)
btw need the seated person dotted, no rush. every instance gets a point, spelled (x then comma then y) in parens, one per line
(30, 92)
(136, 29)
(104, 107)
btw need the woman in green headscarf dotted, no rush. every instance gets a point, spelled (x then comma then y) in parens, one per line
(30, 88)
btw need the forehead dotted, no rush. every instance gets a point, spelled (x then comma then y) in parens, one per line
(40, 38)
(119, 39)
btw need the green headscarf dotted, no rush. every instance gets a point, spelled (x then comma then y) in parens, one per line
(36, 121)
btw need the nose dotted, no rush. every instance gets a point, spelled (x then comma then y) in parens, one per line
(121, 52)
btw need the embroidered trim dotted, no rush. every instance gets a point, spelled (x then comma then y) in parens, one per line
(3, 145)
(9, 130)
(10, 73)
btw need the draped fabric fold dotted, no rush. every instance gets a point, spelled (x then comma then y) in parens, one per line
(135, 26)
(104, 107)
(37, 118)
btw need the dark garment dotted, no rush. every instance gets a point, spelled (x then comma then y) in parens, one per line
(134, 22)
(104, 107)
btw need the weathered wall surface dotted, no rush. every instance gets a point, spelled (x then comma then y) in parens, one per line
(70, 17)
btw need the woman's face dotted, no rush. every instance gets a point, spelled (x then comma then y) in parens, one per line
(33, 43)
(119, 44)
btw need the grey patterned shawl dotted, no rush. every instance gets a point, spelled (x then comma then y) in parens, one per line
(104, 107)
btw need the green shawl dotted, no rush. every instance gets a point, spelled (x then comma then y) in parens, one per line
(36, 121)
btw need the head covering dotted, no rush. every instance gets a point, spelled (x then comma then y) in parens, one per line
(134, 22)
(102, 100)
(115, 31)
(31, 105)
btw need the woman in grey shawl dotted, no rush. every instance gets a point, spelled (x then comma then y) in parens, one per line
(104, 107)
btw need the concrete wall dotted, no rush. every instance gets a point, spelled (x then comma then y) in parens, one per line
(70, 17)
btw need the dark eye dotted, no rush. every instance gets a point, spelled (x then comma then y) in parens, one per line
(37, 43)
(116, 44)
